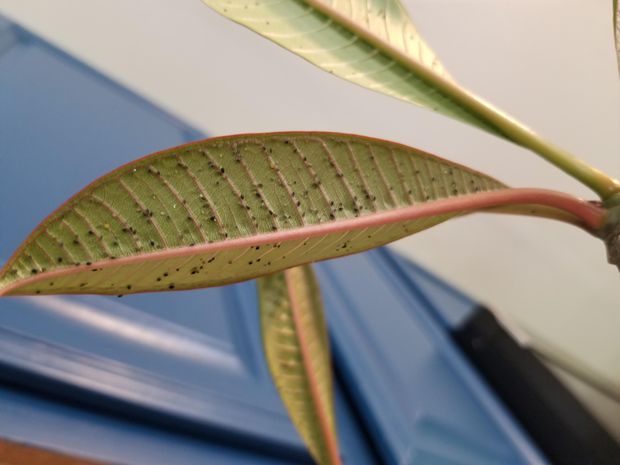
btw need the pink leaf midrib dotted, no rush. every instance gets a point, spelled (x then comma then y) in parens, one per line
(313, 385)
(590, 215)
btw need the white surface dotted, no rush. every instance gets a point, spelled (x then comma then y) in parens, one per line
(548, 63)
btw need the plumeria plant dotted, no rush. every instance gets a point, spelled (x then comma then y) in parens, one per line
(266, 206)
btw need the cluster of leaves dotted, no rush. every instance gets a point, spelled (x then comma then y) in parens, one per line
(266, 205)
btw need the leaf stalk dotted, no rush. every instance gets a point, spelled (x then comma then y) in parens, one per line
(605, 186)
(496, 120)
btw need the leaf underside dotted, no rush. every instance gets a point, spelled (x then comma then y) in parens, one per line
(230, 209)
(297, 351)
(372, 43)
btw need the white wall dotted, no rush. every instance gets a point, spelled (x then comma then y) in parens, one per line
(550, 63)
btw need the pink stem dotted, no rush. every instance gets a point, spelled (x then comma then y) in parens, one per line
(591, 215)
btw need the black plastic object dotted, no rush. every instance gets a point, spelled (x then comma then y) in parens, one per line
(562, 428)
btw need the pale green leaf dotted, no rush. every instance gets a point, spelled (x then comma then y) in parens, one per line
(372, 43)
(233, 208)
(297, 352)
(229, 209)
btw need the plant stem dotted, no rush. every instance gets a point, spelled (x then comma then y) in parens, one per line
(605, 186)
(592, 217)
(610, 233)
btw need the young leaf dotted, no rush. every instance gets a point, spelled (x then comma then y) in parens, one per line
(371, 43)
(233, 208)
(610, 233)
(374, 44)
(297, 352)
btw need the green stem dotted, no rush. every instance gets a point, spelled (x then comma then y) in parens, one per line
(605, 186)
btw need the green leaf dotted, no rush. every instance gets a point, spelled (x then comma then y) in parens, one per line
(371, 43)
(374, 44)
(297, 352)
(234, 208)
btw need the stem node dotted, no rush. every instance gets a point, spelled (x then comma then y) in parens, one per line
(611, 236)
